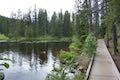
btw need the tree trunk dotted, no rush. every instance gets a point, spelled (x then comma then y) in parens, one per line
(115, 38)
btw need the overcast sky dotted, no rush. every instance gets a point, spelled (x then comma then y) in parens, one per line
(7, 6)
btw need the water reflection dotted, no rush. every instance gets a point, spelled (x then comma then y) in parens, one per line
(30, 61)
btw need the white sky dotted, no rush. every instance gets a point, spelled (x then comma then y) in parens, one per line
(7, 6)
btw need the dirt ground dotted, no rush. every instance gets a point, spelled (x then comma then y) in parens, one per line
(116, 59)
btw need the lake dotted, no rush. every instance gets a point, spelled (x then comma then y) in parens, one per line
(30, 61)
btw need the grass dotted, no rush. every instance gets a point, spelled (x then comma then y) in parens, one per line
(3, 37)
(45, 38)
(49, 38)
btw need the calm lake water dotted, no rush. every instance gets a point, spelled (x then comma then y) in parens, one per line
(30, 61)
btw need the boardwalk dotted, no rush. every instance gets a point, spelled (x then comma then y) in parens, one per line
(103, 66)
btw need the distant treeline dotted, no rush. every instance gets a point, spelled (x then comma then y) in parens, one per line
(36, 23)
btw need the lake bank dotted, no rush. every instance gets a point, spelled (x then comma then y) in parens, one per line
(37, 40)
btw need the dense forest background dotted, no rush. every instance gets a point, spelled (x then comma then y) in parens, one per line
(37, 23)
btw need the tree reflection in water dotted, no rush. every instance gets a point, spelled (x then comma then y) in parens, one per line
(30, 61)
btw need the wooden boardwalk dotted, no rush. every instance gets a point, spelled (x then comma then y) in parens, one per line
(103, 67)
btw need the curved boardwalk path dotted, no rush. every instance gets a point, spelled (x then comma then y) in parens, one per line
(103, 66)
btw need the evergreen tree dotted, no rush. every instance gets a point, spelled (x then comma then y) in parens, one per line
(67, 30)
(53, 25)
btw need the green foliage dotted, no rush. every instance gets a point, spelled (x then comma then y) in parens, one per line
(113, 22)
(47, 38)
(28, 32)
(114, 6)
(42, 38)
(53, 25)
(74, 49)
(61, 75)
(67, 25)
(83, 15)
(66, 56)
(76, 44)
(42, 22)
(3, 37)
(79, 77)
(83, 37)
(113, 15)
(57, 75)
(102, 30)
(90, 45)
(36, 24)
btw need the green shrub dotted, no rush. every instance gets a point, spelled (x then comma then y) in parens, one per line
(90, 45)
(66, 56)
(76, 44)
(3, 37)
(82, 38)
(69, 56)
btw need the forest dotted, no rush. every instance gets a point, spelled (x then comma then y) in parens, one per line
(36, 24)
